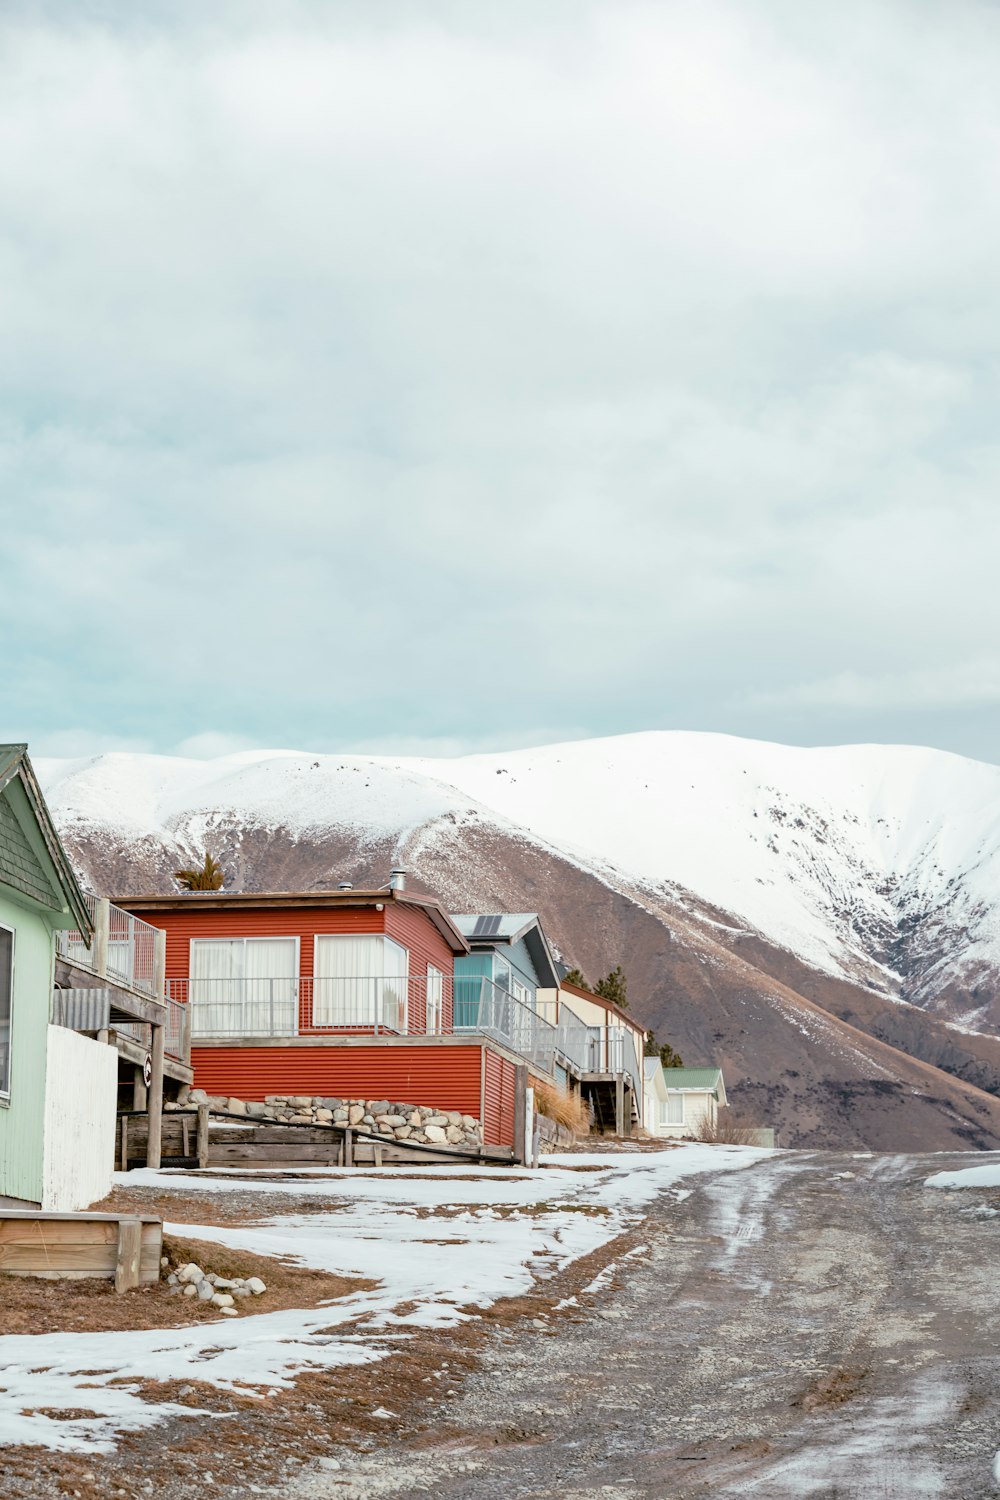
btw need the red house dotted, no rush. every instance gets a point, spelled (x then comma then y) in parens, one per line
(345, 993)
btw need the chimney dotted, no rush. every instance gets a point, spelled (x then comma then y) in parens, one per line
(345, 885)
(397, 880)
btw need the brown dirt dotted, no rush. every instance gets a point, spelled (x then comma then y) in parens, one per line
(832, 1389)
(30, 1305)
(259, 1438)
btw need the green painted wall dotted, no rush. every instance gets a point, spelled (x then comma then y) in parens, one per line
(22, 1115)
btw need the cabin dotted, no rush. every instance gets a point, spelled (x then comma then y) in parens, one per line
(57, 1088)
(679, 1101)
(345, 993)
(605, 1046)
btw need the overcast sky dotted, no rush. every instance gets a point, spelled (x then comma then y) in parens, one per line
(454, 376)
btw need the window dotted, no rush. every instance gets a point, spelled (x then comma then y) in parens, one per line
(435, 1000)
(244, 986)
(360, 981)
(672, 1109)
(6, 1001)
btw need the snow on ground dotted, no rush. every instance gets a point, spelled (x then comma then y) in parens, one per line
(986, 1176)
(445, 1242)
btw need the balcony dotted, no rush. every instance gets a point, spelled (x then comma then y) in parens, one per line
(124, 948)
(252, 1007)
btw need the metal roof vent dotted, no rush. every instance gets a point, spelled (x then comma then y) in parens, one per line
(397, 880)
(345, 885)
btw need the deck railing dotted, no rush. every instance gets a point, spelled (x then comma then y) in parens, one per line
(490, 1010)
(288, 1007)
(125, 951)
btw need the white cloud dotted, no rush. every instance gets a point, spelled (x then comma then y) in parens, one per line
(383, 376)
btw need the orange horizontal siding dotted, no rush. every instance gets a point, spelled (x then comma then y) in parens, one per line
(498, 1102)
(447, 1077)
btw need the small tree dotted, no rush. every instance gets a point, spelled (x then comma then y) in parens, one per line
(614, 987)
(575, 976)
(208, 878)
(668, 1057)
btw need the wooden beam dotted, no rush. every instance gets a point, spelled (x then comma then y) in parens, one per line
(619, 1105)
(155, 1101)
(139, 1096)
(348, 1147)
(123, 1158)
(520, 1110)
(129, 1252)
(201, 1147)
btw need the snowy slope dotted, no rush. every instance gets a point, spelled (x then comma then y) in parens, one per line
(876, 863)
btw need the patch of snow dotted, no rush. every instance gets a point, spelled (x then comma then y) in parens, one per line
(985, 1176)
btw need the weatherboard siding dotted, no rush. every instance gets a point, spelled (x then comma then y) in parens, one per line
(22, 1115)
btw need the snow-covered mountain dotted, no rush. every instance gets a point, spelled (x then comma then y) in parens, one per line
(878, 864)
(824, 923)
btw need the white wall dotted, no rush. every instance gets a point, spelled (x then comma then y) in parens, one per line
(81, 1098)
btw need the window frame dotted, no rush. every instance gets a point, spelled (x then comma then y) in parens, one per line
(245, 938)
(438, 1028)
(5, 1085)
(378, 1020)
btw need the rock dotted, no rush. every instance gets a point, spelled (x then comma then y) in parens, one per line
(331, 1103)
(368, 1120)
(242, 1291)
(454, 1134)
(256, 1286)
(355, 1114)
(206, 1290)
(378, 1107)
(470, 1123)
(300, 1101)
(416, 1119)
(301, 1119)
(218, 1101)
(190, 1272)
(229, 1312)
(190, 1290)
(323, 1116)
(455, 1119)
(403, 1132)
(222, 1299)
(436, 1134)
(254, 1110)
(275, 1098)
(184, 1094)
(236, 1106)
(172, 1279)
(174, 1291)
(438, 1120)
(197, 1096)
(340, 1115)
(222, 1284)
(164, 1261)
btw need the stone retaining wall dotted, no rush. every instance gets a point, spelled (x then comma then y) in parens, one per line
(401, 1122)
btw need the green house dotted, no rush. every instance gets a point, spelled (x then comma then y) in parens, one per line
(47, 1108)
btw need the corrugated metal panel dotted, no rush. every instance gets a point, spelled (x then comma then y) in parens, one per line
(81, 1010)
(448, 1077)
(498, 1102)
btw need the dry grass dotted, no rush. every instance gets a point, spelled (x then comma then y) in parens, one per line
(568, 1110)
(726, 1131)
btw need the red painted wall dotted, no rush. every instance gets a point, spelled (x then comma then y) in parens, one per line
(445, 1076)
(409, 926)
(498, 1102)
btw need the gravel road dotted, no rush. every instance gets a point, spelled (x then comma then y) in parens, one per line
(813, 1325)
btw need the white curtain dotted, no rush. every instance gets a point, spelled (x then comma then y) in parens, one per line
(435, 1000)
(243, 986)
(360, 981)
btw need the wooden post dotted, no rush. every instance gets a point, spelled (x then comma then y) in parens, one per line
(377, 1152)
(155, 1101)
(102, 928)
(139, 1097)
(520, 1111)
(160, 963)
(348, 1147)
(129, 1250)
(185, 1136)
(620, 1105)
(123, 1122)
(201, 1148)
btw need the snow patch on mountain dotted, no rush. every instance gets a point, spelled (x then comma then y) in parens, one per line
(878, 863)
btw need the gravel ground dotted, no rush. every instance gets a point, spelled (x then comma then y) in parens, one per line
(815, 1325)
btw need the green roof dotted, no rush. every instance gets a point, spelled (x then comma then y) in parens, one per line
(692, 1078)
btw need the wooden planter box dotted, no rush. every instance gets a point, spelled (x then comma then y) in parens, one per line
(122, 1247)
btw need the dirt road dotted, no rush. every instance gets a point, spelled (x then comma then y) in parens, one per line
(814, 1325)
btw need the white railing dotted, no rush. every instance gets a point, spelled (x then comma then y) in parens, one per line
(290, 1007)
(123, 947)
(489, 1010)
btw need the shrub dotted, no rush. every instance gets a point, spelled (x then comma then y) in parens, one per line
(566, 1109)
(726, 1131)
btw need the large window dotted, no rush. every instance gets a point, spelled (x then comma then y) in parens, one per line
(360, 981)
(672, 1110)
(6, 1000)
(244, 986)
